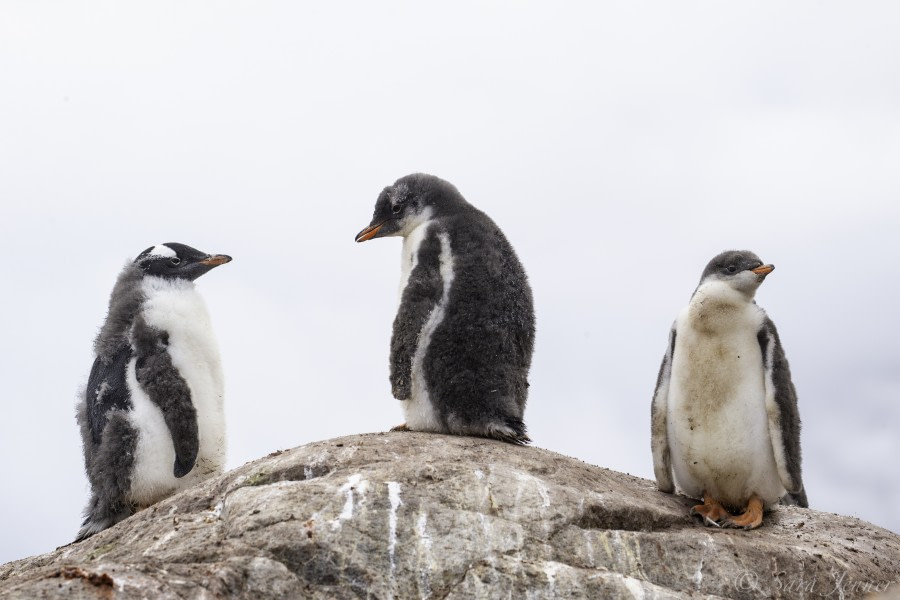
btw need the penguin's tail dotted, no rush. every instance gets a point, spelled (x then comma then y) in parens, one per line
(796, 499)
(96, 519)
(90, 527)
(512, 431)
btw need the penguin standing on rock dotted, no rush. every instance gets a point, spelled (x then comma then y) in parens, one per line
(464, 332)
(152, 419)
(725, 424)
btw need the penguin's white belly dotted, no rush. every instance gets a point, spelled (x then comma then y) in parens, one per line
(717, 422)
(181, 312)
(152, 477)
(419, 411)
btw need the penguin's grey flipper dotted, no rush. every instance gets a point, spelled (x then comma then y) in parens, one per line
(110, 476)
(784, 416)
(420, 296)
(167, 389)
(659, 435)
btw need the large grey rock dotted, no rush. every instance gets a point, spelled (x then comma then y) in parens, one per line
(406, 515)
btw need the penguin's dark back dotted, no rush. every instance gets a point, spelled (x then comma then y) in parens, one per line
(490, 311)
(107, 390)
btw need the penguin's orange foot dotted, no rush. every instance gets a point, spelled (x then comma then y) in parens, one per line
(750, 518)
(711, 513)
(401, 427)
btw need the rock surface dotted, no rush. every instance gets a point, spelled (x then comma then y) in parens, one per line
(405, 515)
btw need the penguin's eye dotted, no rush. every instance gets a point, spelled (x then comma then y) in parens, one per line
(397, 208)
(174, 261)
(732, 269)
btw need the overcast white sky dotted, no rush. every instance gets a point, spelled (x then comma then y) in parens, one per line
(619, 145)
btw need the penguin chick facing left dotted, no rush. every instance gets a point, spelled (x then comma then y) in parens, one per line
(152, 416)
(725, 422)
(464, 331)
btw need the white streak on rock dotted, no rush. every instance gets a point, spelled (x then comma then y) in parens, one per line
(425, 541)
(634, 586)
(697, 579)
(590, 547)
(421, 528)
(215, 513)
(394, 497)
(347, 512)
(160, 542)
(539, 486)
(545, 495)
(550, 571)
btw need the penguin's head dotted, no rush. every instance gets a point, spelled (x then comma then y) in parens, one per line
(178, 261)
(409, 202)
(741, 270)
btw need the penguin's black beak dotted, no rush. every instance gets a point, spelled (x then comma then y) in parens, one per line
(215, 260)
(369, 232)
(763, 270)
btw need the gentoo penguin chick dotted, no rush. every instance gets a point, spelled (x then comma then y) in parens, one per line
(152, 419)
(464, 331)
(725, 422)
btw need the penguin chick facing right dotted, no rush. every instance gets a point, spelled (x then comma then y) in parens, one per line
(464, 331)
(152, 417)
(725, 422)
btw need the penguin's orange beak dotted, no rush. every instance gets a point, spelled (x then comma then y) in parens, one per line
(215, 260)
(369, 232)
(764, 270)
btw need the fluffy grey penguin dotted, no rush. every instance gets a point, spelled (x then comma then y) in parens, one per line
(464, 331)
(725, 423)
(152, 419)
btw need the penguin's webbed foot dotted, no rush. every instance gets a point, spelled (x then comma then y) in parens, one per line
(711, 513)
(750, 518)
(401, 427)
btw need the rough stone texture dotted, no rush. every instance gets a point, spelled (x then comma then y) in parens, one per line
(405, 515)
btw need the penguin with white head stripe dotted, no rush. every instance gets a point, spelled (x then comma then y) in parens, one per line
(152, 416)
(464, 331)
(725, 422)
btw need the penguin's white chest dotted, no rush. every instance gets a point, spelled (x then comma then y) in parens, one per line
(176, 308)
(409, 257)
(419, 411)
(717, 422)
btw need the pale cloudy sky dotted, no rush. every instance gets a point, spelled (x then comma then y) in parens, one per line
(619, 145)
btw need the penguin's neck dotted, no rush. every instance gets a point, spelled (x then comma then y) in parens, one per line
(124, 303)
(716, 306)
(416, 221)
(172, 303)
(153, 285)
